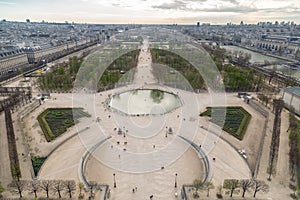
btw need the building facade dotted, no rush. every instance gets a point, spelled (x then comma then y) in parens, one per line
(291, 98)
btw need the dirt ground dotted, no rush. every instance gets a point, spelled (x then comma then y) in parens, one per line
(225, 161)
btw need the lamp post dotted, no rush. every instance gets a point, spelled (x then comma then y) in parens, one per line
(115, 184)
(176, 180)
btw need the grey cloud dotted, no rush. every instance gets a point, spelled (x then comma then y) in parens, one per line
(176, 5)
(182, 4)
(236, 8)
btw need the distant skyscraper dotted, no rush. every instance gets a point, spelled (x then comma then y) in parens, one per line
(198, 24)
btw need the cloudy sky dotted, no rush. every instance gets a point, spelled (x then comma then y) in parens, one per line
(151, 11)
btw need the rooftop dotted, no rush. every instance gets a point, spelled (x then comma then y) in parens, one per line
(293, 90)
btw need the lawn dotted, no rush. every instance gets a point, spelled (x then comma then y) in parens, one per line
(37, 162)
(234, 120)
(56, 121)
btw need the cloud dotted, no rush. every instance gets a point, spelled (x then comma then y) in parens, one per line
(224, 6)
(184, 6)
(175, 5)
(7, 3)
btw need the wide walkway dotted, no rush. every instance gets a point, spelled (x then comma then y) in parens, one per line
(129, 157)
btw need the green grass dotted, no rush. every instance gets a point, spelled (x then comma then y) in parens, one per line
(37, 162)
(56, 121)
(234, 120)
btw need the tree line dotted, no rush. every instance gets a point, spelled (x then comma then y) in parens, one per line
(231, 185)
(245, 185)
(179, 64)
(59, 188)
(294, 152)
(62, 77)
(274, 147)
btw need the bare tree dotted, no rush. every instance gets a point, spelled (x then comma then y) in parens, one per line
(245, 185)
(18, 186)
(46, 185)
(58, 187)
(70, 187)
(259, 185)
(34, 187)
(92, 186)
(231, 184)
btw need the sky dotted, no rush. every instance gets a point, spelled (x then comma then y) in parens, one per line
(151, 11)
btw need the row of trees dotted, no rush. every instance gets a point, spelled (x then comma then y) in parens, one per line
(12, 146)
(232, 185)
(274, 147)
(245, 185)
(117, 68)
(181, 65)
(294, 154)
(34, 187)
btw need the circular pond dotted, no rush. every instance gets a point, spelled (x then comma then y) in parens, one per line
(145, 102)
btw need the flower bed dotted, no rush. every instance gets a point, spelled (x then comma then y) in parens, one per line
(56, 121)
(234, 120)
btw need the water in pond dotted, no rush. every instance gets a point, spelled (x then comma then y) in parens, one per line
(143, 102)
(255, 57)
(285, 70)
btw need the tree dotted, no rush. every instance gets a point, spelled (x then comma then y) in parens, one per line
(208, 186)
(58, 187)
(81, 187)
(34, 187)
(70, 187)
(46, 185)
(231, 184)
(245, 185)
(92, 186)
(18, 186)
(198, 184)
(259, 185)
(272, 73)
(1, 190)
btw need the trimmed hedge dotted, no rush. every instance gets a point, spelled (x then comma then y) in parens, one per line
(56, 121)
(233, 120)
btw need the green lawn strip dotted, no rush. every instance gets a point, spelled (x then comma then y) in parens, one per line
(236, 119)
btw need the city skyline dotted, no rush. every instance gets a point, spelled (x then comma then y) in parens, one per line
(150, 12)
